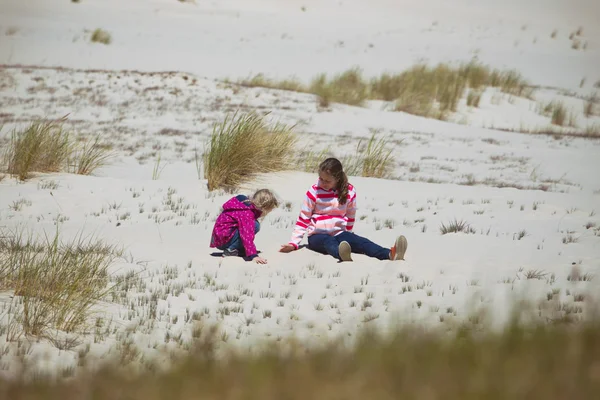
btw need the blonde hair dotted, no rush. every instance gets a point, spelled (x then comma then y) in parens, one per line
(265, 201)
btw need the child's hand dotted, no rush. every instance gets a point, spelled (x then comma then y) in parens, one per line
(286, 248)
(260, 260)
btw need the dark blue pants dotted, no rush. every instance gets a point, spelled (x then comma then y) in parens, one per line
(328, 244)
(236, 242)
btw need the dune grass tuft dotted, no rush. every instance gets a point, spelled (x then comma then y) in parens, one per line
(56, 284)
(559, 113)
(42, 147)
(45, 146)
(101, 36)
(91, 155)
(455, 227)
(244, 145)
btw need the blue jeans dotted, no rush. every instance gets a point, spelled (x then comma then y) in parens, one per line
(235, 243)
(328, 244)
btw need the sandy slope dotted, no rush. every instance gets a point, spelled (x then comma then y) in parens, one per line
(443, 171)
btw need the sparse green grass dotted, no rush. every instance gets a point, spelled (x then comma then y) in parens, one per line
(56, 284)
(101, 36)
(535, 274)
(569, 239)
(456, 226)
(244, 145)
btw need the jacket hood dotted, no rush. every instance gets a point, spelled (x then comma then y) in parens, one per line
(234, 204)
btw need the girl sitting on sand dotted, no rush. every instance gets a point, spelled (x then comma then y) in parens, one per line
(327, 216)
(237, 225)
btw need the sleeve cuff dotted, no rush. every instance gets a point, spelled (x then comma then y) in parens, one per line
(295, 245)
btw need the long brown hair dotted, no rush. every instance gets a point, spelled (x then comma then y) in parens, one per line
(333, 167)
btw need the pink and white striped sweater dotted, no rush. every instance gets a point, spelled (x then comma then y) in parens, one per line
(321, 212)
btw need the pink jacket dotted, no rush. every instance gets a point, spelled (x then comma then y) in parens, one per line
(238, 214)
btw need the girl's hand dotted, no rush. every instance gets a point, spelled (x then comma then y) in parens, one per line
(260, 260)
(286, 248)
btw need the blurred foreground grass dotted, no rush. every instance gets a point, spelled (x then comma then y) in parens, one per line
(544, 361)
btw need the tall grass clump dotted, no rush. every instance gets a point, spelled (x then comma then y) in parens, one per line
(559, 114)
(349, 87)
(434, 91)
(377, 158)
(548, 362)
(588, 108)
(244, 145)
(45, 146)
(55, 284)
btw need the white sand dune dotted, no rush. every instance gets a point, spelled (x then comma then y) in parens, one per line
(531, 200)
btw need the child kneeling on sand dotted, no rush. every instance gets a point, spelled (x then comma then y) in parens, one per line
(327, 216)
(237, 225)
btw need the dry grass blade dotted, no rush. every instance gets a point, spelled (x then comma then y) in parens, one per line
(378, 158)
(245, 145)
(91, 156)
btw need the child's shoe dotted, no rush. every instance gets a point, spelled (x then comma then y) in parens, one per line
(345, 251)
(231, 253)
(399, 248)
